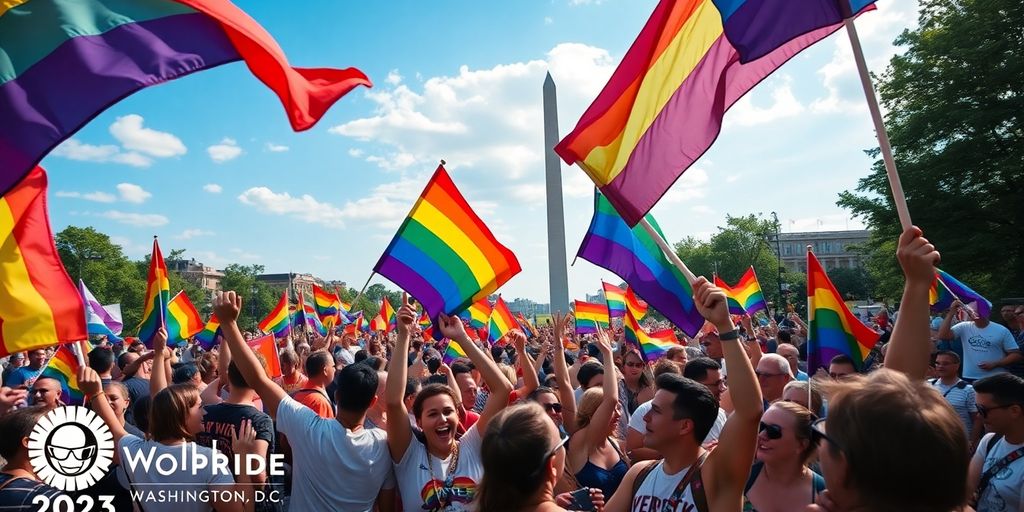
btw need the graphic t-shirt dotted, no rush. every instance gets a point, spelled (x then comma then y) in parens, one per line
(983, 345)
(426, 485)
(1005, 491)
(222, 420)
(656, 491)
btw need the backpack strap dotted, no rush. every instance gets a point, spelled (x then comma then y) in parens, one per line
(700, 497)
(642, 475)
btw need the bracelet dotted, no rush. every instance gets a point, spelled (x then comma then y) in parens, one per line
(731, 335)
(88, 398)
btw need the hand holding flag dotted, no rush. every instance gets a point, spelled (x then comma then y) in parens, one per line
(918, 257)
(406, 316)
(451, 327)
(712, 304)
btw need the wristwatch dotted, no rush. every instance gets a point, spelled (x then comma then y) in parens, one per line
(731, 335)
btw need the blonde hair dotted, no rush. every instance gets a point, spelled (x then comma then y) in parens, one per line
(802, 419)
(801, 387)
(509, 373)
(589, 403)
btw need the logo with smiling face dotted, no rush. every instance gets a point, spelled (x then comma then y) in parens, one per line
(70, 448)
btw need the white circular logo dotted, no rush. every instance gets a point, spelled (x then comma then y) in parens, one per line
(70, 448)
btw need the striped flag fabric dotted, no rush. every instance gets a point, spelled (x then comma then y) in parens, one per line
(183, 321)
(633, 255)
(208, 335)
(63, 367)
(452, 352)
(327, 304)
(634, 305)
(65, 62)
(266, 351)
(744, 297)
(95, 321)
(615, 297)
(109, 316)
(477, 313)
(651, 347)
(443, 254)
(663, 106)
(832, 328)
(385, 319)
(158, 295)
(941, 297)
(39, 305)
(590, 317)
(501, 321)
(277, 321)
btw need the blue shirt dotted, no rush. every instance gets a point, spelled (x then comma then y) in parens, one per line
(801, 376)
(21, 375)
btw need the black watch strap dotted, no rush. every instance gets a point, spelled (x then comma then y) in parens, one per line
(731, 335)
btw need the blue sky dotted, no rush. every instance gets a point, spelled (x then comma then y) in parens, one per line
(209, 162)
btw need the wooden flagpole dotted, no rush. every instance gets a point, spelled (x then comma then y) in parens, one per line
(363, 289)
(669, 253)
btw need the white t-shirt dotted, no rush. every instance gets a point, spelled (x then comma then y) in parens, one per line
(423, 477)
(154, 489)
(983, 346)
(334, 468)
(637, 423)
(1004, 491)
(348, 355)
(657, 488)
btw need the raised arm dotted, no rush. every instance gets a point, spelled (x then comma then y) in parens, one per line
(729, 463)
(158, 378)
(530, 379)
(910, 344)
(565, 389)
(226, 306)
(498, 385)
(399, 430)
(92, 387)
(133, 367)
(946, 329)
(595, 430)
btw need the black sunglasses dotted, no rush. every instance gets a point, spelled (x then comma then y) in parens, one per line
(771, 430)
(983, 411)
(557, 407)
(817, 434)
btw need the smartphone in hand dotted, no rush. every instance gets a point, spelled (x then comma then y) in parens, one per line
(581, 499)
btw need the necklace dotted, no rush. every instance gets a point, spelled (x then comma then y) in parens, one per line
(444, 494)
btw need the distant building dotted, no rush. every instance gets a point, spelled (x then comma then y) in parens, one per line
(832, 248)
(527, 307)
(191, 270)
(301, 283)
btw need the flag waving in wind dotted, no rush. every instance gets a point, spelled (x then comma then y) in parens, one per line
(96, 321)
(744, 297)
(158, 295)
(832, 328)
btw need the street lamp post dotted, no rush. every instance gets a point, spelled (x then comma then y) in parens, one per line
(778, 253)
(86, 254)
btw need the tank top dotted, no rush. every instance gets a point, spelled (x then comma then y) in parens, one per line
(656, 490)
(608, 480)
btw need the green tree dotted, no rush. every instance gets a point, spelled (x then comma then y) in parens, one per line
(109, 274)
(851, 283)
(258, 298)
(954, 100)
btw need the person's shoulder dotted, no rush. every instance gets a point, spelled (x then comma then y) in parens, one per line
(27, 487)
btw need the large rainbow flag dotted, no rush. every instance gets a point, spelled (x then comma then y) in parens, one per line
(277, 321)
(501, 321)
(327, 304)
(63, 367)
(615, 297)
(744, 297)
(832, 329)
(183, 321)
(39, 305)
(443, 254)
(651, 347)
(208, 335)
(634, 256)
(158, 295)
(590, 317)
(663, 106)
(65, 62)
(941, 297)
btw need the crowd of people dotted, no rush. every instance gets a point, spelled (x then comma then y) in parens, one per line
(727, 421)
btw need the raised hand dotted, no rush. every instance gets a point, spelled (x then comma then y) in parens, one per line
(518, 340)
(452, 328)
(11, 397)
(917, 256)
(406, 316)
(160, 340)
(710, 301)
(89, 381)
(227, 305)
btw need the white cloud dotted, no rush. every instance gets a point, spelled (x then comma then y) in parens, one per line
(213, 188)
(133, 193)
(529, 193)
(388, 204)
(276, 148)
(305, 208)
(393, 77)
(393, 162)
(355, 152)
(548, 20)
(135, 219)
(130, 248)
(99, 197)
(692, 185)
(74, 149)
(245, 255)
(225, 151)
(191, 233)
(784, 105)
(128, 130)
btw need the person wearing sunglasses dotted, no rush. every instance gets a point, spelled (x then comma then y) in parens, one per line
(636, 385)
(547, 398)
(780, 479)
(773, 373)
(523, 459)
(997, 469)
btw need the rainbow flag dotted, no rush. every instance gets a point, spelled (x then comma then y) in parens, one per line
(266, 351)
(452, 352)
(356, 325)
(941, 297)
(313, 320)
(590, 317)
(634, 305)
(634, 256)
(832, 329)
(663, 106)
(424, 321)
(525, 324)
(209, 333)
(63, 367)
(477, 313)
(443, 254)
(65, 62)
(501, 321)
(158, 294)
(183, 321)
(651, 346)
(757, 27)
(327, 304)
(385, 319)
(278, 320)
(615, 297)
(744, 297)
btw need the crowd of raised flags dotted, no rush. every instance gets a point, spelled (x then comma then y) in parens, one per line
(659, 112)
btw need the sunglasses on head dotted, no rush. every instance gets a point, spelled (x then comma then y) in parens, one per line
(771, 430)
(553, 407)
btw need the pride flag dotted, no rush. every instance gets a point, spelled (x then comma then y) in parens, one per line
(525, 324)
(158, 294)
(65, 62)
(501, 321)
(209, 333)
(327, 304)
(634, 305)
(663, 106)
(277, 321)
(385, 319)
(590, 317)
(477, 313)
(183, 321)
(635, 257)
(96, 321)
(615, 297)
(744, 297)
(757, 27)
(941, 297)
(651, 347)
(63, 367)
(832, 329)
(39, 305)
(266, 351)
(443, 254)
(313, 320)
(452, 352)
